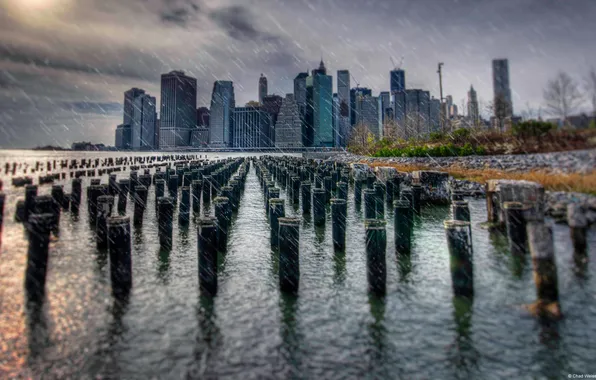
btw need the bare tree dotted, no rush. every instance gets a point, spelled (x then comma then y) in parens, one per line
(591, 88)
(562, 96)
(360, 137)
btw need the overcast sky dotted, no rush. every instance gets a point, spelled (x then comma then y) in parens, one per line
(64, 64)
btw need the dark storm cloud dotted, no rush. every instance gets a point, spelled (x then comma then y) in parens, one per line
(238, 22)
(179, 12)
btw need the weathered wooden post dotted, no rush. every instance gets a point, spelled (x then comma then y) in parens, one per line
(57, 200)
(460, 211)
(306, 197)
(276, 211)
(105, 204)
(403, 220)
(140, 199)
(459, 242)
(339, 211)
(123, 196)
(165, 218)
(540, 239)
(39, 226)
(76, 191)
(207, 247)
(222, 213)
(417, 193)
(196, 196)
(370, 204)
(120, 254)
(30, 194)
(289, 254)
(173, 188)
(578, 228)
(318, 201)
(376, 264)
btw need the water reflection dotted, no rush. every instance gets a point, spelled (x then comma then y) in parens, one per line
(207, 339)
(37, 326)
(339, 266)
(290, 333)
(163, 265)
(404, 266)
(319, 236)
(377, 332)
(465, 356)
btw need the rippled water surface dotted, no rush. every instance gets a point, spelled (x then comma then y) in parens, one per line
(332, 329)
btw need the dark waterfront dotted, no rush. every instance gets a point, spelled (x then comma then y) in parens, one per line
(332, 329)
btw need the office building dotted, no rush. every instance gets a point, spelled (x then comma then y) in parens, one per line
(123, 137)
(178, 116)
(435, 115)
(290, 122)
(251, 127)
(386, 109)
(262, 88)
(144, 118)
(319, 108)
(354, 93)
(199, 137)
(129, 97)
(503, 106)
(300, 91)
(221, 114)
(368, 113)
(272, 104)
(343, 97)
(335, 121)
(473, 109)
(417, 123)
(397, 81)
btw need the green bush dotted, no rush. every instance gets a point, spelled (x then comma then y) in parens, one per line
(532, 128)
(436, 136)
(461, 134)
(447, 150)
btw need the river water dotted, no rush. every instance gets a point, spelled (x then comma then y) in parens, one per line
(332, 329)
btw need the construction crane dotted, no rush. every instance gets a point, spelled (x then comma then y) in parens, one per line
(401, 61)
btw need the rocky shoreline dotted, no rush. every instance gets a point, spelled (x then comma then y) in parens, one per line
(558, 163)
(581, 161)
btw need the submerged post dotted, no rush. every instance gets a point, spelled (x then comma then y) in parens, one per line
(120, 254)
(123, 196)
(276, 211)
(222, 213)
(376, 246)
(196, 196)
(184, 210)
(39, 226)
(459, 242)
(460, 211)
(165, 216)
(540, 239)
(578, 228)
(370, 204)
(140, 197)
(403, 220)
(207, 247)
(105, 204)
(289, 254)
(339, 211)
(318, 200)
(76, 191)
(305, 188)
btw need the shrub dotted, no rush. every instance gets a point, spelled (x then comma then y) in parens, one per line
(436, 136)
(461, 134)
(532, 128)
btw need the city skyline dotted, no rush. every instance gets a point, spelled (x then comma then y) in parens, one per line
(67, 85)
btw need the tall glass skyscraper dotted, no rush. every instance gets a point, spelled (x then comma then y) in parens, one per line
(251, 128)
(343, 97)
(319, 108)
(178, 109)
(262, 88)
(300, 91)
(502, 92)
(144, 119)
(398, 81)
(129, 97)
(221, 114)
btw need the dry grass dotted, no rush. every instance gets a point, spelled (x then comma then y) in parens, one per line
(582, 183)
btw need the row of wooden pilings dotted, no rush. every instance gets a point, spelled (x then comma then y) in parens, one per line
(318, 184)
(187, 184)
(57, 170)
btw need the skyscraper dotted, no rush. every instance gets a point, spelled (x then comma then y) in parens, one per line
(368, 113)
(144, 117)
(221, 114)
(262, 88)
(385, 99)
(502, 104)
(319, 108)
(397, 81)
(343, 97)
(473, 111)
(272, 104)
(417, 121)
(300, 90)
(288, 129)
(354, 93)
(123, 137)
(129, 97)
(251, 128)
(335, 121)
(435, 115)
(178, 115)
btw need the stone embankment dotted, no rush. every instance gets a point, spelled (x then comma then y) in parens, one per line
(582, 162)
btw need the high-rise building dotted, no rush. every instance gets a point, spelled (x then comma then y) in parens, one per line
(300, 91)
(129, 97)
(368, 113)
(319, 108)
(203, 117)
(453, 111)
(473, 109)
(354, 93)
(288, 129)
(417, 123)
(343, 97)
(123, 137)
(435, 114)
(143, 125)
(502, 104)
(385, 99)
(178, 114)
(335, 121)
(251, 128)
(221, 114)
(397, 81)
(200, 137)
(262, 88)
(272, 104)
